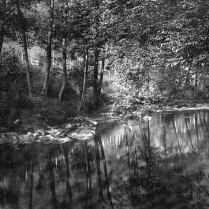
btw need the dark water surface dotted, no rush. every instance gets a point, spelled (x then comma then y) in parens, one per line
(159, 163)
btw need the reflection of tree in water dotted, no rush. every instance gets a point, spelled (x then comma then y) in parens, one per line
(100, 152)
(48, 176)
(161, 163)
(170, 174)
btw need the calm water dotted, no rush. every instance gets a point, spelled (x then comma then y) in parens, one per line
(158, 164)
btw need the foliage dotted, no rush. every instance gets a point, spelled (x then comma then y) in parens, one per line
(156, 50)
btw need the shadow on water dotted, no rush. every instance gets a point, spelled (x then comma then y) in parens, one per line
(148, 164)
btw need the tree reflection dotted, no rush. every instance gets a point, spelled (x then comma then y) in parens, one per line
(105, 170)
(99, 175)
(177, 137)
(67, 176)
(196, 130)
(160, 163)
(190, 137)
(52, 182)
(88, 170)
(31, 184)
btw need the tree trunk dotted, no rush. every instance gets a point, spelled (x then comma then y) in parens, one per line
(95, 93)
(25, 47)
(196, 81)
(96, 55)
(2, 21)
(48, 51)
(64, 56)
(64, 61)
(86, 61)
(101, 76)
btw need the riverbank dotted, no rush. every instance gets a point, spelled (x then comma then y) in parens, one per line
(80, 127)
(142, 109)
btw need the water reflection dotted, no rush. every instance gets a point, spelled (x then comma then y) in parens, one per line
(158, 163)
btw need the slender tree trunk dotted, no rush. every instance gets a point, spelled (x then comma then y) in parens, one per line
(86, 61)
(101, 76)
(196, 82)
(48, 51)
(64, 56)
(2, 21)
(96, 55)
(64, 60)
(95, 93)
(25, 47)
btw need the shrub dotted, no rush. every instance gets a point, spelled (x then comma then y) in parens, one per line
(15, 77)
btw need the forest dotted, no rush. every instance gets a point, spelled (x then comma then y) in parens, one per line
(95, 100)
(61, 58)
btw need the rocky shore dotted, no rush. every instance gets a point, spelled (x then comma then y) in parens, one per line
(79, 128)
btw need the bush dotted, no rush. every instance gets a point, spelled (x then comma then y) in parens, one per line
(15, 77)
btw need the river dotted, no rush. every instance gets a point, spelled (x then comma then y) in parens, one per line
(158, 161)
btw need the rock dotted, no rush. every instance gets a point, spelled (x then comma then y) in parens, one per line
(81, 128)
(83, 135)
(36, 136)
(2, 129)
(51, 132)
(23, 138)
(3, 139)
(17, 122)
(146, 118)
(68, 126)
(57, 134)
(63, 140)
(47, 138)
(40, 132)
(63, 135)
(13, 139)
(92, 122)
(13, 133)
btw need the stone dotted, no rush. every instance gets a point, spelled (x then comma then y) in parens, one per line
(68, 126)
(83, 135)
(57, 134)
(13, 139)
(2, 129)
(16, 122)
(47, 138)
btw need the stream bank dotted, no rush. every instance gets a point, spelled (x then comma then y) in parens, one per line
(82, 127)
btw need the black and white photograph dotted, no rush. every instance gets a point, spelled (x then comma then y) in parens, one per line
(104, 104)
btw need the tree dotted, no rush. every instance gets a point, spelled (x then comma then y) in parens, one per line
(48, 49)
(64, 52)
(85, 73)
(2, 22)
(25, 47)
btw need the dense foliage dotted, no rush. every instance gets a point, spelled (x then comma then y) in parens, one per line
(155, 50)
